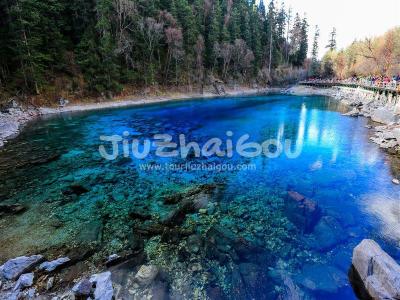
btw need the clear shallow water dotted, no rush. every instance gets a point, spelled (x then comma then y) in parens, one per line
(338, 168)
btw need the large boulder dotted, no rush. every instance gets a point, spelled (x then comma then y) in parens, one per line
(384, 116)
(396, 133)
(379, 272)
(301, 211)
(24, 281)
(50, 266)
(83, 288)
(13, 268)
(104, 288)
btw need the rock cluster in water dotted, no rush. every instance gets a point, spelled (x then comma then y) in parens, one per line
(379, 273)
(200, 248)
(381, 108)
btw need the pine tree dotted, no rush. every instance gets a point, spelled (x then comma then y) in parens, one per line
(261, 9)
(281, 26)
(213, 34)
(96, 52)
(5, 51)
(271, 35)
(332, 40)
(37, 41)
(315, 65)
(302, 55)
(256, 28)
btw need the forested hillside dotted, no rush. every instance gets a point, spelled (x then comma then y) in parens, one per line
(100, 46)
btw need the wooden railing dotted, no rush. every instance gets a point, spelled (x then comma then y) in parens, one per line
(378, 86)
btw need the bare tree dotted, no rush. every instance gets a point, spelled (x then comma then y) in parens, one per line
(229, 5)
(226, 52)
(152, 32)
(208, 4)
(125, 21)
(247, 61)
(387, 52)
(167, 19)
(242, 57)
(174, 40)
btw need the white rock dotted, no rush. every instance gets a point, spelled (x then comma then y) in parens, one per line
(146, 274)
(104, 288)
(112, 258)
(50, 266)
(24, 281)
(379, 272)
(354, 113)
(28, 294)
(384, 115)
(50, 283)
(83, 288)
(13, 268)
(396, 133)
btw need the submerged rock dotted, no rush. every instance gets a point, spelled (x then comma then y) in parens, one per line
(13, 268)
(146, 275)
(175, 235)
(194, 200)
(173, 199)
(322, 278)
(191, 205)
(193, 244)
(303, 212)
(379, 272)
(221, 243)
(11, 209)
(139, 213)
(328, 233)
(50, 266)
(44, 160)
(91, 232)
(75, 189)
(104, 288)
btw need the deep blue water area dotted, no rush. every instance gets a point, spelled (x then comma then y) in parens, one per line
(248, 236)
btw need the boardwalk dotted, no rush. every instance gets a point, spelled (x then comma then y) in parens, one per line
(391, 87)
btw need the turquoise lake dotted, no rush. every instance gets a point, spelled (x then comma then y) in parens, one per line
(246, 241)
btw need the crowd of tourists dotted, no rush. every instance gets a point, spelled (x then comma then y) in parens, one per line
(378, 81)
(388, 82)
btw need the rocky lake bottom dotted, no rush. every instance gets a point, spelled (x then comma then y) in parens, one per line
(284, 228)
